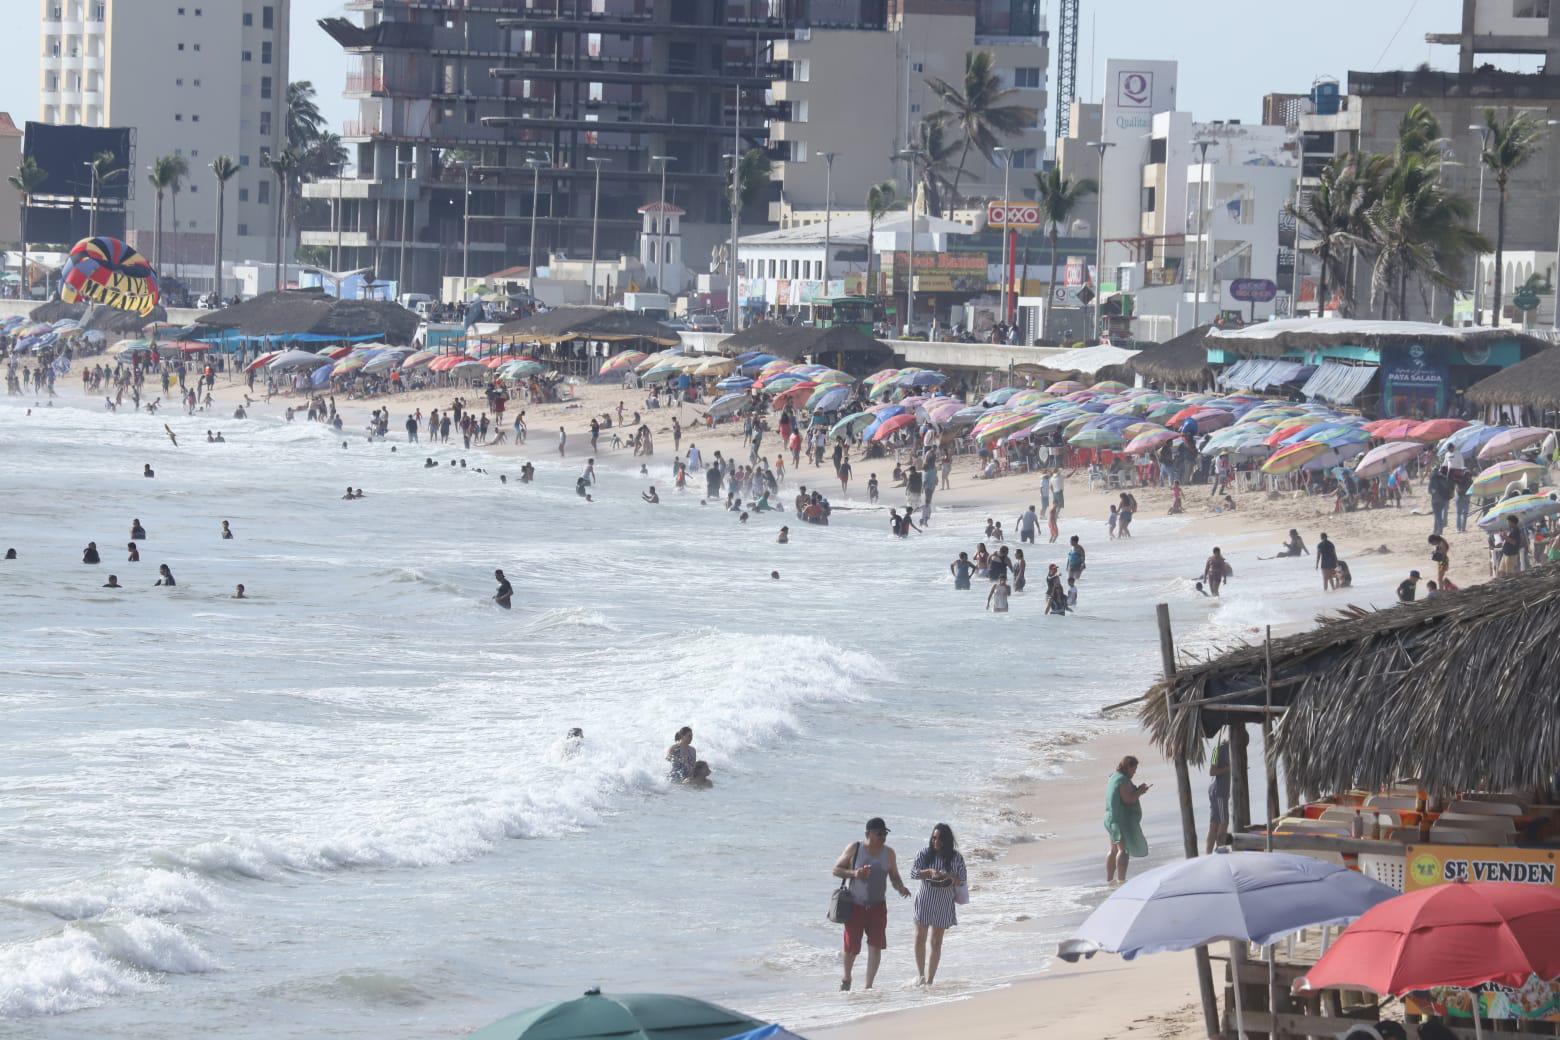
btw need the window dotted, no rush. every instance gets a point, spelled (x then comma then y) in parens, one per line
(178, 82)
(178, 117)
(197, 46)
(249, 19)
(1024, 158)
(918, 67)
(265, 124)
(267, 17)
(243, 160)
(243, 194)
(1027, 78)
(195, 118)
(803, 71)
(98, 12)
(193, 189)
(771, 268)
(181, 46)
(265, 86)
(265, 53)
(247, 56)
(265, 193)
(799, 112)
(1530, 8)
(181, 10)
(243, 229)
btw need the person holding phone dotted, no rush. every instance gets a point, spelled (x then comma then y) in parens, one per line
(1124, 820)
(940, 870)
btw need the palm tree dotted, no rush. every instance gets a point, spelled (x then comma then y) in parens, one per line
(1334, 217)
(1419, 133)
(28, 178)
(102, 172)
(936, 166)
(284, 164)
(224, 169)
(982, 112)
(1509, 144)
(1057, 197)
(1419, 230)
(161, 177)
(880, 199)
(181, 170)
(752, 174)
(303, 119)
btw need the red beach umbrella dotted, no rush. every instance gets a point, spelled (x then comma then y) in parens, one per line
(1394, 430)
(1461, 934)
(1432, 430)
(893, 425)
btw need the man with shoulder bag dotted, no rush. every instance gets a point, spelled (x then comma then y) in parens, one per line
(866, 869)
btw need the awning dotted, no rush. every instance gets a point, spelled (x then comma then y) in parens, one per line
(1261, 373)
(1338, 384)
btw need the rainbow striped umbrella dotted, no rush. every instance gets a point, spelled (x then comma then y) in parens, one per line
(1305, 455)
(1526, 508)
(1493, 479)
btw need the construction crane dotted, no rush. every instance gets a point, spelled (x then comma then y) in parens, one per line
(1066, 64)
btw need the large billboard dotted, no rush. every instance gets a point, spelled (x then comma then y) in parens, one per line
(63, 153)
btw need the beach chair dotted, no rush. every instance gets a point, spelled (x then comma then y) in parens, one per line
(1391, 801)
(1473, 807)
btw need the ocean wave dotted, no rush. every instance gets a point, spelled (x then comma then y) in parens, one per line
(573, 618)
(142, 892)
(85, 965)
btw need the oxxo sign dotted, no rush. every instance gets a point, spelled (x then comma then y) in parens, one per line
(1020, 216)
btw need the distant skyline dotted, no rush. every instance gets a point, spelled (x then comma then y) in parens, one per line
(1231, 52)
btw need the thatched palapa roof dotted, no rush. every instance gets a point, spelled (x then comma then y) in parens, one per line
(1534, 381)
(603, 324)
(1459, 691)
(313, 314)
(1183, 359)
(1274, 338)
(794, 341)
(97, 316)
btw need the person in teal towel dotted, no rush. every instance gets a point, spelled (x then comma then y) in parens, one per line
(1124, 820)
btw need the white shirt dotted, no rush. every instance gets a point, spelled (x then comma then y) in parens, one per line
(1056, 483)
(1454, 459)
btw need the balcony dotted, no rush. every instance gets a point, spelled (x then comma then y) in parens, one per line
(348, 239)
(365, 83)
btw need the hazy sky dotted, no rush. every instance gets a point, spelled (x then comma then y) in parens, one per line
(1231, 51)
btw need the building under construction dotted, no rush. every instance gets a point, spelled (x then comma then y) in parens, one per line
(523, 101)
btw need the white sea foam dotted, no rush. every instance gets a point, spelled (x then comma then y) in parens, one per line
(81, 967)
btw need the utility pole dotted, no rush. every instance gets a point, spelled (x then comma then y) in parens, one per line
(736, 212)
(535, 163)
(828, 214)
(912, 156)
(465, 242)
(660, 249)
(1478, 227)
(407, 166)
(1099, 254)
(1007, 168)
(595, 213)
(1202, 228)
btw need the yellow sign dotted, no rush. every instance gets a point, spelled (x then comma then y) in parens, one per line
(1428, 865)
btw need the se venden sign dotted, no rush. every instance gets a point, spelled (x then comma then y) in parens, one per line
(1429, 865)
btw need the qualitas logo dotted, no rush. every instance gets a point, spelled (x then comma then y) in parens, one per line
(1134, 89)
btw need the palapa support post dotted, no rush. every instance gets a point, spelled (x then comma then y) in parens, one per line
(1274, 810)
(1183, 787)
(1240, 777)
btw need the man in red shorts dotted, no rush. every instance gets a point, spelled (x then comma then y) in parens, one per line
(871, 867)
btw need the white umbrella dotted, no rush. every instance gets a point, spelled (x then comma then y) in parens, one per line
(386, 361)
(1254, 897)
(291, 359)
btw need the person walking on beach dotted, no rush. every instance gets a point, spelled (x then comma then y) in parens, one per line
(944, 880)
(1327, 562)
(1218, 795)
(870, 867)
(1216, 571)
(1075, 559)
(961, 569)
(1124, 820)
(997, 598)
(563, 440)
(1441, 556)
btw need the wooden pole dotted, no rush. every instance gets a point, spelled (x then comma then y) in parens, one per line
(1240, 777)
(1274, 810)
(1183, 787)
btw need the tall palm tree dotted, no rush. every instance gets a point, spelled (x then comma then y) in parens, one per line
(935, 166)
(1334, 217)
(753, 172)
(28, 178)
(224, 169)
(303, 120)
(1058, 197)
(1419, 132)
(103, 172)
(284, 164)
(181, 170)
(982, 112)
(1509, 144)
(880, 199)
(163, 173)
(1420, 230)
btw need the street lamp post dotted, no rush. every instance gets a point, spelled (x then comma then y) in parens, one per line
(405, 166)
(535, 163)
(736, 213)
(595, 213)
(1007, 169)
(913, 156)
(465, 236)
(828, 214)
(1099, 233)
(660, 249)
(1478, 227)
(1202, 229)
(92, 216)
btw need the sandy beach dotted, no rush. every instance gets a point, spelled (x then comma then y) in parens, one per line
(1149, 998)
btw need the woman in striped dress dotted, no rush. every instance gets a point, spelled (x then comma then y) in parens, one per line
(940, 869)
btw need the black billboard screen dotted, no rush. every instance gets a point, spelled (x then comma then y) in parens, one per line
(64, 226)
(63, 152)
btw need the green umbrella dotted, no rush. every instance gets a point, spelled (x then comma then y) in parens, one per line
(852, 424)
(621, 1016)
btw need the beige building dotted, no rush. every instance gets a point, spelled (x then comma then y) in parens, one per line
(196, 78)
(859, 92)
(10, 198)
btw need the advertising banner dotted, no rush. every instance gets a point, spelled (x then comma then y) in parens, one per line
(942, 272)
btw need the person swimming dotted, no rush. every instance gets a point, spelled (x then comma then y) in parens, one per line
(430, 464)
(134, 554)
(785, 536)
(112, 582)
(137, 532)
(651, 497)
(221, 439)
(167, 576)
(10, 554)
(90, 554)
(238, 593)
(526, 473)
(358, 493)
(580, 488)
(146, 471)
(349, 492)
(505, 591)
(227, 532)
(686, 766)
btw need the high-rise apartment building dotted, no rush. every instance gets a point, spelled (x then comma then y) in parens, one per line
(195, 78)
(856, 89)
(526, 103)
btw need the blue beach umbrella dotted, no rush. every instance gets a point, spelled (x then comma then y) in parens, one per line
(734, 383)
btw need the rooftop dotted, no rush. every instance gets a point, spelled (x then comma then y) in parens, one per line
(852, 228)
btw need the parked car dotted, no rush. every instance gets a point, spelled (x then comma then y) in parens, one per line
(704, 323)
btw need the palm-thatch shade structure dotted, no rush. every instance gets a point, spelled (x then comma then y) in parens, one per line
(1534, 382)
(96, 316)
(1092, 364)
(1274, 338)
(1458, 691)
(1182, 361)
(591, 324)
(795, 341)
(305, 315)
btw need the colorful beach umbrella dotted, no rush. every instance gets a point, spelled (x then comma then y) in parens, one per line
(1492, 480)
(1386, 457)
(1432, 430)
(1526, 508)
(1300, 456)
(1509, 442)
(1150, 441)
(890, 426)
(1099, 438)
(1064, 386)
(734, 383)
(851, 425)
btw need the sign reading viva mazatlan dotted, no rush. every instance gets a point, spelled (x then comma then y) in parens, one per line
(1428, 865)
